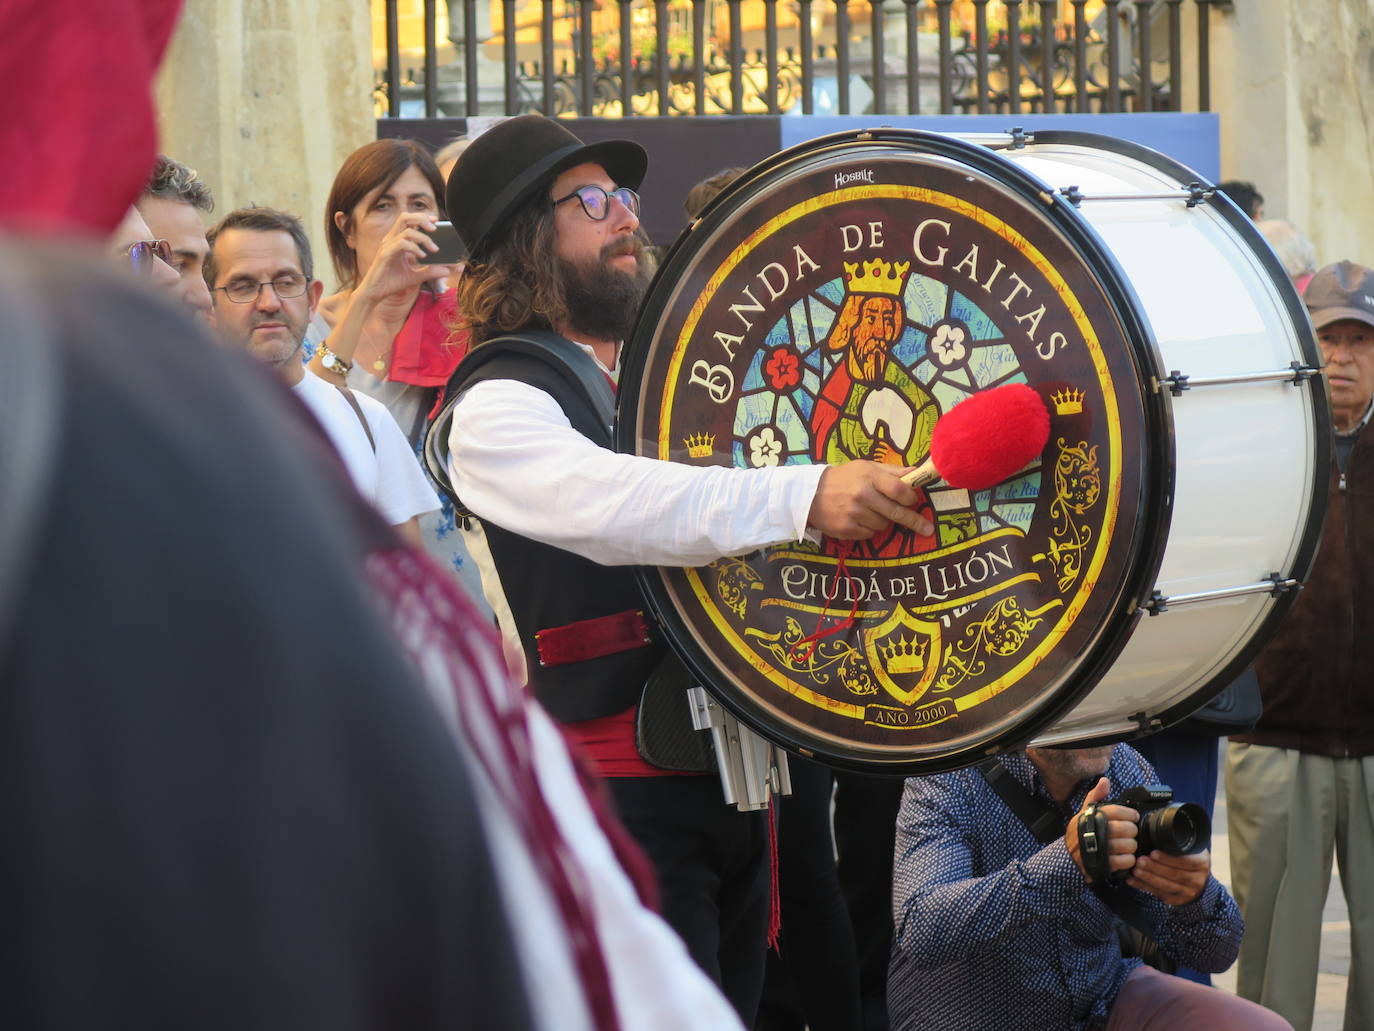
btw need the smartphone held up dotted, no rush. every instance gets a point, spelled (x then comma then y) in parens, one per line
(451, 250)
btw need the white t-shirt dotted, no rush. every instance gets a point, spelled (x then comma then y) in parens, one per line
(390, 477)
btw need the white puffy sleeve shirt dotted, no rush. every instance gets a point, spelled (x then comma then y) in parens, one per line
(516, 461)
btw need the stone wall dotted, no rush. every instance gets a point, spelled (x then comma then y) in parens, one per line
(1293, 81)
(265, 98)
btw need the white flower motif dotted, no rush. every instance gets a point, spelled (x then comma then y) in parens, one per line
(764, 448)
(948, 344)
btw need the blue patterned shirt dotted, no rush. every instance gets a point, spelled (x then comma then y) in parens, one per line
(994, 930)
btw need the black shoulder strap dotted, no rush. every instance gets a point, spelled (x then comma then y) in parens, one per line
(561, 355)
(358, 411)
(1045, 822)
(1042, 819)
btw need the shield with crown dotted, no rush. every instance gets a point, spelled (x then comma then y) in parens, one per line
(904, 653)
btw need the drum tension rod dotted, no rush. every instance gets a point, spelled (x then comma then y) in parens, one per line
(1274, 585)
(1019, 138)
(1193, 195)
(1296, 373)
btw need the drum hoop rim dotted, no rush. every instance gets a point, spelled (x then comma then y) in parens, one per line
(1155, 507)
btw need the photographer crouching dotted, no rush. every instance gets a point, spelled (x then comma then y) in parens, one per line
(1023, 899)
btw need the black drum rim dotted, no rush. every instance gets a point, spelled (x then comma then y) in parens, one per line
(1150, 520)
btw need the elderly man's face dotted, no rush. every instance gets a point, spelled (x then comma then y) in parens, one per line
(1348, 349)
(179, 224)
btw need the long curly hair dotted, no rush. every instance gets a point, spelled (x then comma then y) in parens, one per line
(517, 283)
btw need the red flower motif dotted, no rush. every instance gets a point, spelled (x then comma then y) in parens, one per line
(783, 368)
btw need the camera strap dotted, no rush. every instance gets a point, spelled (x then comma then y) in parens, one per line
(1047, 824)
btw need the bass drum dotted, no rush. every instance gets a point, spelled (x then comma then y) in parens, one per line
(844, 295)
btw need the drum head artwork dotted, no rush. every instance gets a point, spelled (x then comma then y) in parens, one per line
(833, 306)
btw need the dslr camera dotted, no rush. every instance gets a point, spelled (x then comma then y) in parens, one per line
(1175, 828)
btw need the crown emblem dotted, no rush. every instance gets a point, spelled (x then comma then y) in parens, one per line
(1067, 402)
(700, 445)
(876, 277)
(904, 654)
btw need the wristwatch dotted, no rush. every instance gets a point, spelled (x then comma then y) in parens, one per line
(333, 362)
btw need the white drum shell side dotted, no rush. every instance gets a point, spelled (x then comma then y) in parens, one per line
(1244, 453)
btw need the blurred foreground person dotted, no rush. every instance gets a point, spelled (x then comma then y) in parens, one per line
(219, 821)
(216, 821)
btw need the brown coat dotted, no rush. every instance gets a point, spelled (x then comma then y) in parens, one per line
(1317, 674)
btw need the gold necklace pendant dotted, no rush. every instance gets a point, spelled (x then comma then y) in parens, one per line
(380, 364)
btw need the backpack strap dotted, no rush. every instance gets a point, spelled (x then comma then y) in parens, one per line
(358, 411)
(564, 358)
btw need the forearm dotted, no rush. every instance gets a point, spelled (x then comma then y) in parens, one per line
(343, 336)
(1204, 934)
(537, 477)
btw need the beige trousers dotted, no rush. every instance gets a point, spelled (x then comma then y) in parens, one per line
(1286, 813)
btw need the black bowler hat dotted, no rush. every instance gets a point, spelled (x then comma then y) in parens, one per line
(508, 163)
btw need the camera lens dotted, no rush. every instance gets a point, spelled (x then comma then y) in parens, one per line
(1180, 829)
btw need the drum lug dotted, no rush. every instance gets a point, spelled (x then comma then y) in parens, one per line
(1019, 138)
(1147, 723)
(1282, 584)
(1072, 194)
(1158, 603)
(1197, 193)
(1302, 373)
(1176, 381)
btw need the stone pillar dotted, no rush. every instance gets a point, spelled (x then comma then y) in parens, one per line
(265, 98)
(1294, 83)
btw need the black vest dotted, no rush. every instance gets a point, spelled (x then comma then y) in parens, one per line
(548, 587)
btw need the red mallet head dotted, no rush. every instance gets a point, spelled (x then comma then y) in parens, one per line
(984, 439)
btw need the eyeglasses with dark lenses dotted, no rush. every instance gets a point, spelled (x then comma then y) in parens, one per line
(245, 291)
(596, 202)
(141, 254)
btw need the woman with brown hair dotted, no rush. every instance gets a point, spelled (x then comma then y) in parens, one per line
(387, 330)
(390, 329)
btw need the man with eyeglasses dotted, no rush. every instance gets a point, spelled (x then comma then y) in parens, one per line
(132, 247)
(259, 272)
(171, 204)
(552, 230)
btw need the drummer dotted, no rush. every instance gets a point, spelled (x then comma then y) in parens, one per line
(552, 227)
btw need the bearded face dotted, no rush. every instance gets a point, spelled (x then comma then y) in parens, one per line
(875, 328)
(603, 299)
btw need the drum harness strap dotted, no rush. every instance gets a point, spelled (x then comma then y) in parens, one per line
(1046, 824)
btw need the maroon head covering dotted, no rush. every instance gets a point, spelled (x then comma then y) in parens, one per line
(79, 135)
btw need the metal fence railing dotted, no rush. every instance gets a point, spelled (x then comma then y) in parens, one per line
(629, 58)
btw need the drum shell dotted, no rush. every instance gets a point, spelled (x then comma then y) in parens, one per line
(1163, 670)
(1250, 457)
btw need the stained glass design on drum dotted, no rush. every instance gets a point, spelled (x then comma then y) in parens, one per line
(845, 326)
(862, 369)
